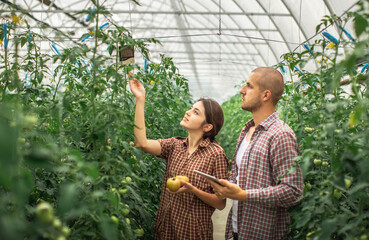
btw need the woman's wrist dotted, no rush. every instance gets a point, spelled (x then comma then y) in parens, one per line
(194, 190)
(140, 99)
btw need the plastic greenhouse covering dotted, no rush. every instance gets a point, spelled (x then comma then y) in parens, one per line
(214, 43)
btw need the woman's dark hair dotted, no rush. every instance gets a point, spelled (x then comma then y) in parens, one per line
(214, 116)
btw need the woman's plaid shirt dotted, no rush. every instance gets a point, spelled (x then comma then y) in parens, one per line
(184, 216)
(270, 188)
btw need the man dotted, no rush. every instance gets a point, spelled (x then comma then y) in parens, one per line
(261, 183)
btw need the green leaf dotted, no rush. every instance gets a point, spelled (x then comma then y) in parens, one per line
(68, 198)
(306, 216)
(111, 49)
(108, 228)
(23, 41)
(360, 24)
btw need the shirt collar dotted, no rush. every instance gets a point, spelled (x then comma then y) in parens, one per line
(265, 123)
(204, 143)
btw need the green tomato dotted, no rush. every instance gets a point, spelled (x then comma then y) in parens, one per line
(44, 212)
(132, 144)
(12, 124)
(65, 231)
(308, 186)
(123, 191)
(61, 237)
(128, 221)
(317, 162)
(309, 234)
(129, 179)
(57, 223)
(323, 193)
(30, 121)
(324, 163)
(309, 129)
(125, 211)
(140, 232)
(347, 183)
(115, 220)
(337, 131)
(123, 151)
(337, 193)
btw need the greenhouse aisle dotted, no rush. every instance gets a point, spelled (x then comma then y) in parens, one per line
(219, 221)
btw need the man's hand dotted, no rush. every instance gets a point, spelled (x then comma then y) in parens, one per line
(228, 190)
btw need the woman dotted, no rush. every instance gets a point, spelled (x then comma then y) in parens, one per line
(186, 213)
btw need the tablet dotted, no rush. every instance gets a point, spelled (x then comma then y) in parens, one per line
(212, 178)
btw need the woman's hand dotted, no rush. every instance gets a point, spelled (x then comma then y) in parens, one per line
(136, 87)
(208, 198)
(187, 187)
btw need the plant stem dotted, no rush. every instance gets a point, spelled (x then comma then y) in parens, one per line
(57, 85)
(116, 73)
(94, 76)
(6, 68)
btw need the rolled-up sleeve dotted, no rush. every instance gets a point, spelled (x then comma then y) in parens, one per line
(166, 147)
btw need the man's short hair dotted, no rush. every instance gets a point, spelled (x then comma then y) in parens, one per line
(272, 80)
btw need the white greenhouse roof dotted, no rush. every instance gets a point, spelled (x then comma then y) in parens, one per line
(214, 43)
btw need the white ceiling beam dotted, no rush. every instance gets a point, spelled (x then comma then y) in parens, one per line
(83, 11)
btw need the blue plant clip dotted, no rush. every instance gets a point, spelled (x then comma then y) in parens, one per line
(308, 48)
(330, 37)
(85, 38)
(298, 69)
(92, 66)
(347, 34)
(55, 48)
(364, 68)
(88, 16)
(25, 81)
(315, 81)
(5, 35)
(104, 26)
(282, 69)
(145, 65)
(88, 70)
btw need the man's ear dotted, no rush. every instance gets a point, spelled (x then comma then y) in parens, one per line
(207, 127)
(267, 95)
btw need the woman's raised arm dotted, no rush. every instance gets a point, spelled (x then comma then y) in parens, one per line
(147, 145)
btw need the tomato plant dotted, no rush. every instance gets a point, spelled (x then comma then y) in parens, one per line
(67, 134)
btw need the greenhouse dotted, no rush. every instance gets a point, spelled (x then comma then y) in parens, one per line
(108, 107)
